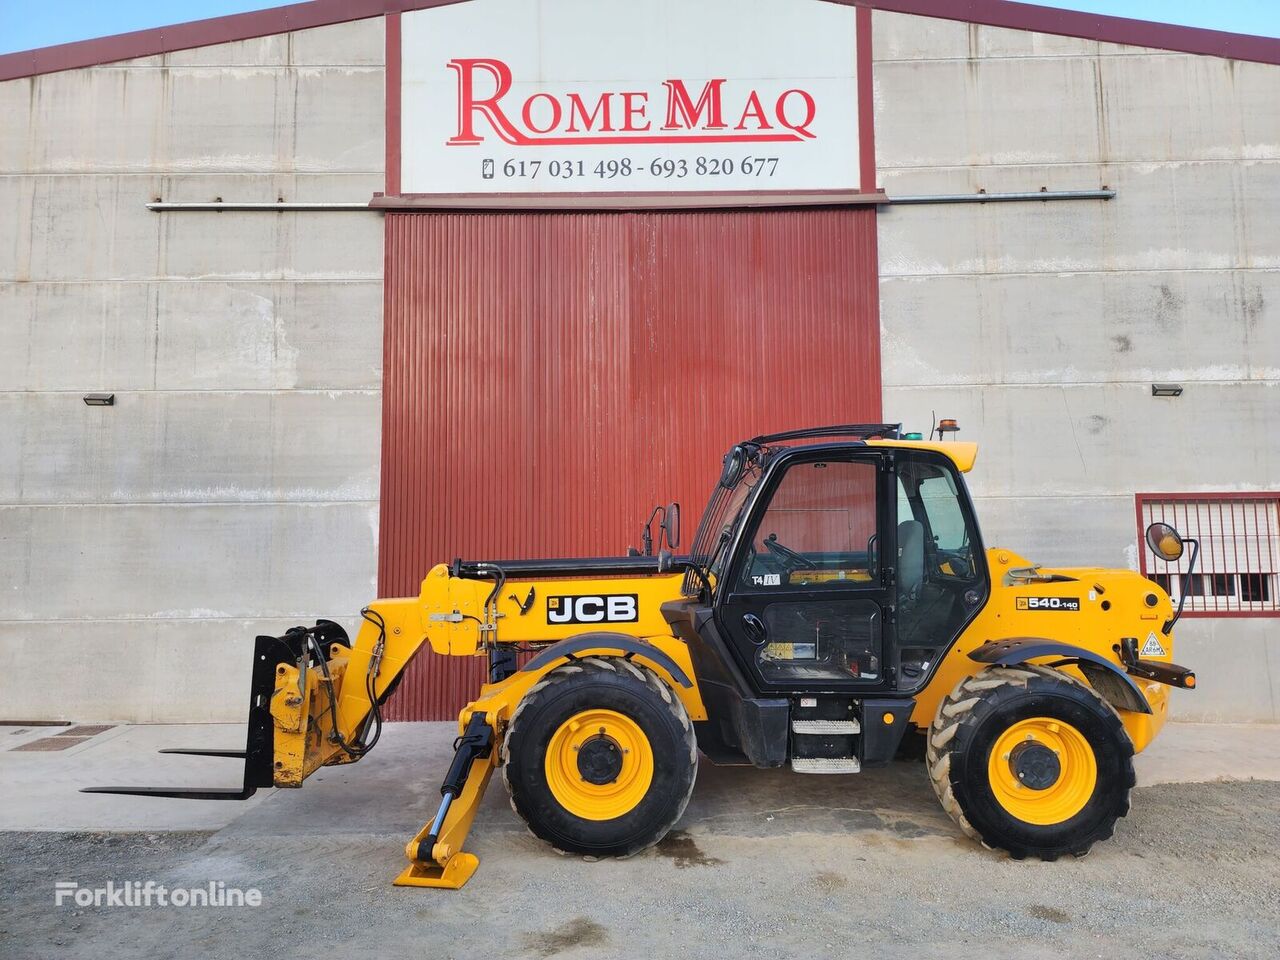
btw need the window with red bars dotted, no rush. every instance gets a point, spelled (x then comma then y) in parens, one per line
(1239, 534)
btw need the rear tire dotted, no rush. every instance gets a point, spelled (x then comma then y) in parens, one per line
(1026, 759)
(600, 758)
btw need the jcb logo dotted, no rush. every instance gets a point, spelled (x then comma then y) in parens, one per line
(1048, 603)
(594, 608)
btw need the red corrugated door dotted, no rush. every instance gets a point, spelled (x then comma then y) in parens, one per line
(549, 377)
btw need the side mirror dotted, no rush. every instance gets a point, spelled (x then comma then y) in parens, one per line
(671, 524)
(735, 461)
(1165, 542)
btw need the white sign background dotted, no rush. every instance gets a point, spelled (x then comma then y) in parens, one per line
(595, 48)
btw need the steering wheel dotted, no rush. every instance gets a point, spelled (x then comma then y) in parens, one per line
(782, 550)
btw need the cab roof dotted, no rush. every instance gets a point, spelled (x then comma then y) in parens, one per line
(962, 454)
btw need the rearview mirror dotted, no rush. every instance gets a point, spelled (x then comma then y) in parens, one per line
(734, 462)
(1165, 542)
(671, 524)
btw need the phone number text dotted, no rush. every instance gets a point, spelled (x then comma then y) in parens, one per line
(658, 169)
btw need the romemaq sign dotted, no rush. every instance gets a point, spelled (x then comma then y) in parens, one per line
(602, 96)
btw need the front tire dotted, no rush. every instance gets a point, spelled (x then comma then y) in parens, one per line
(1026, 759)
(600, 758)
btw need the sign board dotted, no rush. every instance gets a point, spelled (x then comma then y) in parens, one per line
(627, 96)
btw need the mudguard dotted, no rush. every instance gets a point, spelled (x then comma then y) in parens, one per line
(1108, 678)
(628, 646)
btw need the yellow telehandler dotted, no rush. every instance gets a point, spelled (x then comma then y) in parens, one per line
(836, 608)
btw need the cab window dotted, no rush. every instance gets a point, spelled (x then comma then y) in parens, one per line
(818, 531)
(941, 504)
(940, 578)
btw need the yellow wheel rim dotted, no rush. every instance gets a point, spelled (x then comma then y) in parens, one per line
(599, 764)
(1042, 771)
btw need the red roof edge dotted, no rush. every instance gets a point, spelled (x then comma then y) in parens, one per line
(320, 13)
(1088, 26)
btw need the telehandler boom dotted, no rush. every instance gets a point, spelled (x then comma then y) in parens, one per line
(837, 604)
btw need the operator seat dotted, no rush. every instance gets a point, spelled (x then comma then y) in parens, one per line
(910, 561)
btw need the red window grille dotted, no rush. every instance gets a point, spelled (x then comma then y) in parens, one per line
(1239, 534)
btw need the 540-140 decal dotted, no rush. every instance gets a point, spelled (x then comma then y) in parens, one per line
(1069, 604)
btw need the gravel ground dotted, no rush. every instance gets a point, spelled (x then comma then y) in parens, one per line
(764, 862)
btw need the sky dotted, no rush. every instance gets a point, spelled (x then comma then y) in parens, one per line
(25, 25)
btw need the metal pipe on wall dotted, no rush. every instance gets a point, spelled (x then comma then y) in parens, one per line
(162, 206)
(1043, 195)
(1004, 197)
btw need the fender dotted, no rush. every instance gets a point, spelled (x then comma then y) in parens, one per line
(1109, 679)
(624, 644)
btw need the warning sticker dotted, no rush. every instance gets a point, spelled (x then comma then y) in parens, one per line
(1152, 647)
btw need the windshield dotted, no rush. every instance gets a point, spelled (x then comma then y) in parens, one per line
(710, 544)
(737, 500)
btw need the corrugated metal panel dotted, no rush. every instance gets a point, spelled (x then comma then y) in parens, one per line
(549, 377)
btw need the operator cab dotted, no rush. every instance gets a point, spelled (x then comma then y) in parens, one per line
(842, 569)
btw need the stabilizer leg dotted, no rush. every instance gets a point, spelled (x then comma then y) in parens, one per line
(435, 855)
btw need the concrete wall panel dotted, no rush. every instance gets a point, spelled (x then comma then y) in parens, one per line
(293, 246)
(1026, 328)
(95, 121)
(230, 118)
(194, 561)
(253, 336)
(88, 337)
(898, 37)
(15, 121)
(1183, 216)
(358, 43)
(1102, 439)
(303, 119)
(1178, 108)
(134, 671)
(994, 42)
(339, 119)
(272, 51)
(197, 446)
(184, 335)
(1234, 662)
(76, 228)
(981, 112)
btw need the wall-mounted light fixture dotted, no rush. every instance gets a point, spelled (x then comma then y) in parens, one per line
(99, 399)
(1166, 389)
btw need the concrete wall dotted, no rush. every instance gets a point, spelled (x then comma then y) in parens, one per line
(232, 489)
(1042, 326)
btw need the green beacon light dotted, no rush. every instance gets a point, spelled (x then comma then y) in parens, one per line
(913, 436)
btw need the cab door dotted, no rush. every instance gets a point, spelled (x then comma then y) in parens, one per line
(804, 601)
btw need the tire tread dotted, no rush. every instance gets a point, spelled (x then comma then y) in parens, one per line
(957, 709)
(614, 665)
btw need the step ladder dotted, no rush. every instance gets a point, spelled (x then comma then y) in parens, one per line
(825, 735)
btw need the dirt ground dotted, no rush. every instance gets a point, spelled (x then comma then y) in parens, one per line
(765, 863)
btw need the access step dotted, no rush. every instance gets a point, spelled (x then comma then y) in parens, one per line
(826, 727)
(825, 764)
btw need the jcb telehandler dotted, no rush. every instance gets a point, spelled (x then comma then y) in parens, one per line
(837, 600)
